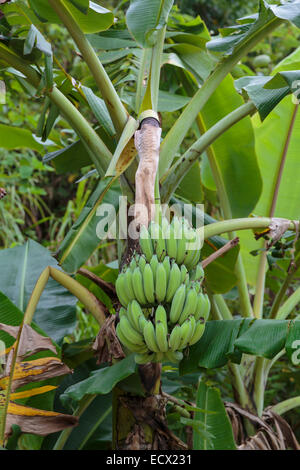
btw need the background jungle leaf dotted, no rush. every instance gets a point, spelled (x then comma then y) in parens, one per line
(99, 109)
(218, 423)
(96, 19)
(71, 158)
(15, 137)
(229, 43)
(55, 312)
(143, 17)
(82, 239)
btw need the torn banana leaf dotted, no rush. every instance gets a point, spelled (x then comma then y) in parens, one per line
(17, 372)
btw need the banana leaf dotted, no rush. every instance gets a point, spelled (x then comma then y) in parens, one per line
(82, 239)
(227, 340)
(55, 313)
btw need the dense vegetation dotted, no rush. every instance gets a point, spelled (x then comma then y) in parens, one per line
(59, 131)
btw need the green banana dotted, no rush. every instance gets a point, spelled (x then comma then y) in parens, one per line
(142, 323)
(184, 274)
(146, 243)
(161, 336)
(135, 313)
(148, 282)
(181, 250)
(193, 322)
(188, 259)
(130, 333)
(177, 304)
(186, 333)
(142, 263)
(175, 338)
(128, 282)
(159, 357)
(174, 282)
(199, 273)
(206, 308)
(160, 245)
(154, 263)
(203, 307)
(138, 288)
(199, 330)
(144, 358)
(171, 244)
(122, 312)
(190, 305)
(130, 346)
(121, 290)
(161, 316)
(132, 264)
(160, 283)
(174, 356)
(166, 265)
(149, 336)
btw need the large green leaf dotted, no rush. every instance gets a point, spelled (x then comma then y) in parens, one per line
(69, 159)
(228, 339)
(102, 381)
(195, 59)
(15, 137)
(277, 148)
(217, 423)
(55, 312)
(10, 315)
(233, 154)
(96, 19)
(95, 424)
(143, 17)
(82, 240)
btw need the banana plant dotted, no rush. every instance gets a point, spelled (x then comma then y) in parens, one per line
(224, 140)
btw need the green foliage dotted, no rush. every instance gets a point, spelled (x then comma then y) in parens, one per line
(60, 129)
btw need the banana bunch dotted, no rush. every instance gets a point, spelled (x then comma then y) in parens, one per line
(154, 338)
(163, 307)
(154, 282)
(177, 240)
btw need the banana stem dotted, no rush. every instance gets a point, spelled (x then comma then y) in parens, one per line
(65, 434)
(259, 384)
(286, 405)
(36, 295)
(88, 299)
(288, 305)
(232, 225)
(223, 307)
(171, 180)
